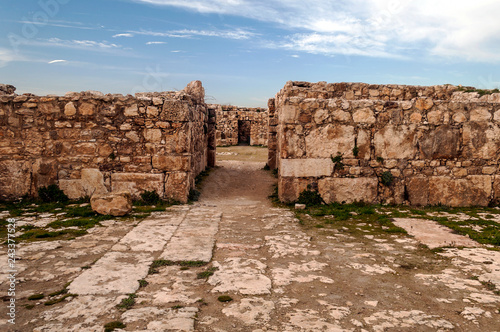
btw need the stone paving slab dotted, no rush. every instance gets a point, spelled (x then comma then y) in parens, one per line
(433, 234)
(194, 240)
(116, 272)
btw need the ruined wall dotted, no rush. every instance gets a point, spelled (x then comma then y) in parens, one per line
(229, 123)
(92, 143)
(441, 145)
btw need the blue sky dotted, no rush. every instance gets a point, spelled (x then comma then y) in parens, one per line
(244, 51)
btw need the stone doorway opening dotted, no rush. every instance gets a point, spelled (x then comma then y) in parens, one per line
(244, 129)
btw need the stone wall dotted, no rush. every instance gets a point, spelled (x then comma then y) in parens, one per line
(440, 144)
(92, 143)
(231, 119)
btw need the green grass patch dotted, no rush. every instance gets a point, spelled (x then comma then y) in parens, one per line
(35, 297)
(111, 326)
(143, 283)
(55, 301)
(127, 303)
(42, 234)
(206, 274)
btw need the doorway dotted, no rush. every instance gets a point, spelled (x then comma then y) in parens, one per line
(244, 129)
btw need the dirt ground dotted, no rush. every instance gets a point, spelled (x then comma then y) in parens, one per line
(279, 271)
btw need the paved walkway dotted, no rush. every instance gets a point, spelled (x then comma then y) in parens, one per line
(280, 275)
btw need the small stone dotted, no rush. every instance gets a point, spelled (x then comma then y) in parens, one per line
(114, 203)
(300, 206)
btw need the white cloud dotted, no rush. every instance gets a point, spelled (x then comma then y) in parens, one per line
(155, 43)
(56, 61)
(190, 33)
(76, 44)
(456, 29)
(129, 35)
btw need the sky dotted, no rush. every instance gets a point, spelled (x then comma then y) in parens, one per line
(245, 51)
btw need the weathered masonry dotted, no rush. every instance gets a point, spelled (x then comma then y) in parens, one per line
(92, 143)
(238, 125)
(387, 143)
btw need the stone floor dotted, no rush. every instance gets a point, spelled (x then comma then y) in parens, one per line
(280, 275)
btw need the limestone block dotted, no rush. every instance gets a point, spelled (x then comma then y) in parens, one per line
(133, 136)
(306, 167)
(395, 142)
(481, 140)
(364, 115)
(69, 109)
(341, 116)
(459, 117)
(323, 142)
(441, 143)
(289, 113)
(474, 190)
(175, 110)
(92, 181)
(114, 203)
(132, 110)
(292, 145)
(196, 90)
(364, 144)
(480, 114)
(72, 188)
(152, 111)
(435, 117)
(424, 104)
(152, 135)
(137, 183)
(319, 116)
(178, 143)
(418, 191)
(83, 149)
(44, 173)
(48, 107)
(105, 150)
(15, 178)
(289, 188)
(416, 117)
(87, 109)
(177, 186)
(496, 116)
(348, 190)
(172, 163)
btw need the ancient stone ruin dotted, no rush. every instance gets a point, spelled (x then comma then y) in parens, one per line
(93, 143)
(238, 125)
(348, 141)
(387, 143)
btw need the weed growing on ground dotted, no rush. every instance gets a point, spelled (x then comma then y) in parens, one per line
(150, 197)
(310, 197)
(143, 283)
(52, 194)
(387, 178)
(55, 301)
(337, 160)
(111, 326)
(35, 297)
(127, 303)
(207, 274)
